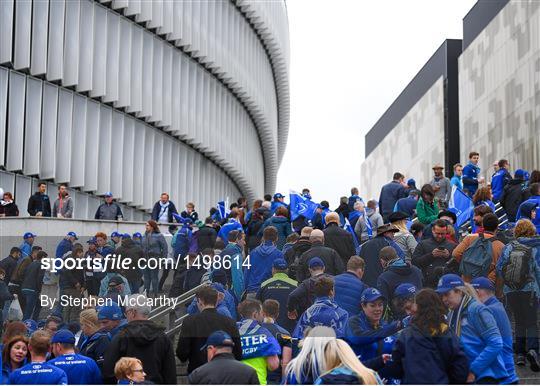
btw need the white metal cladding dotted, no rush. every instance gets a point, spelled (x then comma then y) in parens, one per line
(212, 74)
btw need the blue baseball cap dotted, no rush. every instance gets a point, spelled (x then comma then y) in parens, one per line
(116, 234)
(73, 234)
(519, 174)
(63, 336)
(110, 312)
(316, 262)
(126, 236)
(108, 194)
(137, 234)
(278, 195)
(448, 282)
(218, 339)
(279, 264)
(28, 235)
(370, 295)
(411, 181)
(405, 290)
(92, 241)
(31, 326)
(483, 283)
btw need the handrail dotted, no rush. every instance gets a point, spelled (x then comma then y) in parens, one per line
(177, 326)
(180, 300)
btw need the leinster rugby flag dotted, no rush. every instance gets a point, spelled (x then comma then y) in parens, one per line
(461, 205)
(301, 206)
(257, 341)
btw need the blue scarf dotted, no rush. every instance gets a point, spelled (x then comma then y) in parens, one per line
(257, 341)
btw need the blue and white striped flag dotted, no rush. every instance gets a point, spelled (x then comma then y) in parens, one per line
(223, 209)
(350, 229)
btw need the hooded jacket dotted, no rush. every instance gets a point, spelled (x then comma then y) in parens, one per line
(480, 338)
(95, 347)
(63, 206)
(262, 258)
(534, 264)
(324, 312)
(283, 227)
(235, 275)
(526, 208)
(406, 205)
(348, 291)
(513, 194)
(145, 340)
(398, 272)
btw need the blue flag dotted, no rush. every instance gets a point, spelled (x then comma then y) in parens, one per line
(461, 205)
(256, 340)
(301, 206)
(349, 229)
(222, 209)
(368, 226)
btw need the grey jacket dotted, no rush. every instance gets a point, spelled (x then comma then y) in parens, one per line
(407, 243)
(154, 245)
(443, 194)
(108, 212)
(67, 207)
(361, 229)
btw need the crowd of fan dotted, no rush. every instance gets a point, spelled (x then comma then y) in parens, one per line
(416, 302)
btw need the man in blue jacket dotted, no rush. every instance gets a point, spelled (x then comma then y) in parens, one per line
(38, 371)
(349, 286)
(65, 245)
(534, 199)
(324, 312)
(390, 194)
(499, 179)
(471, 174)
(262, 259)
(486, 293)
(80, 370)
(408, 204)
(26, 246)
(279, 200)
(111, 319)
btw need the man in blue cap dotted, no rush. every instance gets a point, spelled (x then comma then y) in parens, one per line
(93, 278)
(66, 244)
(80, 370)
(28, 241)
(109, 210)
(486, 294)
(137, 238)
(111, 319)
(114, 240)
(38, 371)
(222, 367)
(279, 200)
(279, 287)
(403, 301)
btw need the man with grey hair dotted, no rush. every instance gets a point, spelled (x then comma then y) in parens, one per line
(145, 340)
(332, 261)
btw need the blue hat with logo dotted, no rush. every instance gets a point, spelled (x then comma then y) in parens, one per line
(411, 181)
(370, 295)
(137, 234)
(126, 236)
(63, 336)
(92, 241)
(316, 262)
(483, 283)
(73, 234)
(280, 264)
(519, 174)
(278, 195)
(116, 234)
(31, 326)
(405, 290)
(110, 312)
(108, 194)
(218, 339)
(28, 235)
(448, 282)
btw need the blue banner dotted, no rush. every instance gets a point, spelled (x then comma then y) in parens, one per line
(256, 340)
(301, 206)
(349, 229)
(222, 209)
(461, 205)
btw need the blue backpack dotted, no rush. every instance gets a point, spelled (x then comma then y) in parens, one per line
(477, 259)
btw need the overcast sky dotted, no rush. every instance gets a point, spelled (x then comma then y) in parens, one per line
(350, 59)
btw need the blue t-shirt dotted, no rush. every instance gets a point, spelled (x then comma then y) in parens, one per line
(38, 374)
(80, 370)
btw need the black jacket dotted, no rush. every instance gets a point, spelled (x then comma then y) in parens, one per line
(39, 203)
(431, 266)
(206, 238)
(393, 276)
(146, 341)
(70, 277)
(514, 193)
(370, 253)
(339, 240)
(9, 210)
(128, 248)
(33, 278)
(224, 369)
(332, 261)
(8, 264)
(196, 329)
(303, 296)
(253, 240)
(157, 208)
(298, 248)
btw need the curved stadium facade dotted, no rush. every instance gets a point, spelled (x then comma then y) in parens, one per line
(141, 97)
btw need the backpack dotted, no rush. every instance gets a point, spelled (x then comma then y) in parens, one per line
(516, 272)
(477, 259)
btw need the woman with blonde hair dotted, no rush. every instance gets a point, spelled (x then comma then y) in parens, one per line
(93, 343)
(310, 362)
(344, 368)
(403, 238)
(129, 371)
